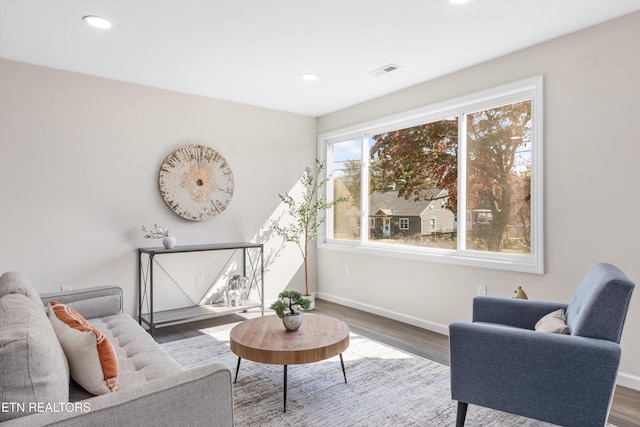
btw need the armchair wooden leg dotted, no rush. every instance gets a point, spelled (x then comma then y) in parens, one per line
(462, 414)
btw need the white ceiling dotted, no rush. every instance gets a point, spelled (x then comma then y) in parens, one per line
(254, 51)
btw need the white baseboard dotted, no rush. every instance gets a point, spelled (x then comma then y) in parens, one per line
(628, 380)
(625, 380)
(401, 317)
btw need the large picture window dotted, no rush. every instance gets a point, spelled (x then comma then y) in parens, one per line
(460, 181)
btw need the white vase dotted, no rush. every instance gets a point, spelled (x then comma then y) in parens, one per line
(292, 323)
(168, 242)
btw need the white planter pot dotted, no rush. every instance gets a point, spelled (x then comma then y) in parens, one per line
(292, 323)
(311, 298)
(169, 242)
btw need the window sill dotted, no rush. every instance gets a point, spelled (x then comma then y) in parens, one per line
(519, 263)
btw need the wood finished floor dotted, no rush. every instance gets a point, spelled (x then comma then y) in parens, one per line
(625, 410)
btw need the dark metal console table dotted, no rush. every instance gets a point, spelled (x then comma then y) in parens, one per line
(201, 311)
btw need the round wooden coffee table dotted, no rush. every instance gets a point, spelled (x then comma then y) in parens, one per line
(265, 340)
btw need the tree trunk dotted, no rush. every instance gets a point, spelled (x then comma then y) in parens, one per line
(500, 217)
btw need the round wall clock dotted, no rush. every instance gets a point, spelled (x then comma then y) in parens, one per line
(196, 182)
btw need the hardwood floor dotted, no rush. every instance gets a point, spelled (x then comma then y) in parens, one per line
(625, 410)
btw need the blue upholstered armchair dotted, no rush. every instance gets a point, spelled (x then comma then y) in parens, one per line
(500, 361)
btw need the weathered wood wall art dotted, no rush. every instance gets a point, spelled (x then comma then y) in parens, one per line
(196, 182)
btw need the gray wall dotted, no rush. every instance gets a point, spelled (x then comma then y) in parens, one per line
(592, 172)
(79, 162)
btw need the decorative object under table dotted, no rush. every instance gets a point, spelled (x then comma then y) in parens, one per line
(252, 269)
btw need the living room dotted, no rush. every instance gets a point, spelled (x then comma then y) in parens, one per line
(80, 155)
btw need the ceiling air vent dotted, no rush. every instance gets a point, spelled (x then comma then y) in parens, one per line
(384, 70)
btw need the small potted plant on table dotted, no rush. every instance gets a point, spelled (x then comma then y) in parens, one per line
(286, 308)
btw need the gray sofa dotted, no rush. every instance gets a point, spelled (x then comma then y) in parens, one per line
(153, 390)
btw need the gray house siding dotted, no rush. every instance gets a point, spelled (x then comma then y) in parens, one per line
(388, 211)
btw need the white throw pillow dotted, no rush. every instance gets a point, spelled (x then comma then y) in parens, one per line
(555, 323)
(92, 358)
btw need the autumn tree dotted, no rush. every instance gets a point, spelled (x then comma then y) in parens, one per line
(494, 137)
(426, 156)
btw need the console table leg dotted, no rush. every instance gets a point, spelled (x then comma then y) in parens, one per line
(237, 370)
(285, 389)
(343, 371)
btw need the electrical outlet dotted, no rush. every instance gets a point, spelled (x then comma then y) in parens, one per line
(482, 289)
(66, 288)
(199, 279)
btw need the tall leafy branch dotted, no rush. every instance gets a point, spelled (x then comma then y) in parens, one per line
(306, 213)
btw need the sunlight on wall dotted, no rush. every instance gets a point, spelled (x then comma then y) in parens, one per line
(283, 262)
(175, 283)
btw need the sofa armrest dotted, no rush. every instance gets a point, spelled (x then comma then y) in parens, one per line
(532, 373)
(511, 311)
(90, 302)
(200, 396)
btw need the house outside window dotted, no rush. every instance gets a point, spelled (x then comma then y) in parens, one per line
(481, 154)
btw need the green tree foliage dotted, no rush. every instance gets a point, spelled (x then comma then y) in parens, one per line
(350, 177)
(288, 302)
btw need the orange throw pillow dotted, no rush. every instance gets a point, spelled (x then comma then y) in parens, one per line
(92, 359)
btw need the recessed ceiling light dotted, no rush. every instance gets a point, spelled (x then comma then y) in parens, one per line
(309, 77)
(97, 22)
(458, 1)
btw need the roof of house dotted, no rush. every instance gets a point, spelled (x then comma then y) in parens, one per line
(388, 202)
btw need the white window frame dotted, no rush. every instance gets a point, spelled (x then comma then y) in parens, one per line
(405, 221)
(529, 89)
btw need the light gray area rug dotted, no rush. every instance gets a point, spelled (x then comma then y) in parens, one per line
(386, 387)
